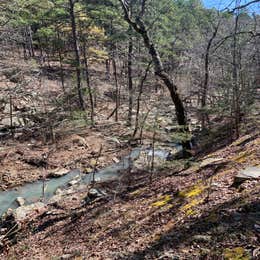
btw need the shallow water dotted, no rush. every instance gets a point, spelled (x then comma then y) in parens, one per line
(32, 192)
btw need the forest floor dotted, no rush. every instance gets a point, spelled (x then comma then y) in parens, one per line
(188, 210)
(76, 142)
(190, 214)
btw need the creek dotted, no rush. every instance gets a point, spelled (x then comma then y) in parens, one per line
(33, 192)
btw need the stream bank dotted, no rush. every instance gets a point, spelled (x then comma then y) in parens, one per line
(170, 217)
(139, 158)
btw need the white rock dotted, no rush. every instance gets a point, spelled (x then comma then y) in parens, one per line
(211, 161)
(250, 173)
(116, 160)
(58, 173)
(20, 201)
(23, 212)
(73, 182)
(7, 121)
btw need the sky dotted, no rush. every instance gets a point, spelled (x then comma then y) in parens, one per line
(221, 4)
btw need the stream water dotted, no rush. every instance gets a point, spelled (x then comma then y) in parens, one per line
(32, 192)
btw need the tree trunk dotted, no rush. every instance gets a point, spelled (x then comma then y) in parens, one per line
(11, 115)
(24, 51)
(139, 99)
(140, 28)
(30, 40)
(117, 89)
(206, 79)
(88, 83)
(61, 66)
(108, 69)
(235, 76)
(130, 81)
(77, 54)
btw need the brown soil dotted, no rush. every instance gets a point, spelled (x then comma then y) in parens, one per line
(157, 220)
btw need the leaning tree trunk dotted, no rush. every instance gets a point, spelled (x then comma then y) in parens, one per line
(140, 28)
(77, 54)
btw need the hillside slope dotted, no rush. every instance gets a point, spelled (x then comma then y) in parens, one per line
(166, 219)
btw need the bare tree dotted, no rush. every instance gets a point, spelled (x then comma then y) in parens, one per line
(77, 53)
(130, 78)
(235, 75)
(141, 29)
(206, 76)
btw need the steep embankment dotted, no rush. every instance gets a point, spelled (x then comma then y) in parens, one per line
(192, 214)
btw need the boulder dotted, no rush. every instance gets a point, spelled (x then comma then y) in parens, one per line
(79, 141)
(94, 194)
(169, 255)
(58, 173)
(73, 182)
(162, 153)
(7, 109)
(8, 222)
(23, 212)
(20, 201)
(250, 173)
(7, 121)
(211, 161)
(61, 193)
(58, 191)
(201, 238)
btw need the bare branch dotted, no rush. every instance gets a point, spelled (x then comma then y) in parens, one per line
(220, 42)
(244, 6)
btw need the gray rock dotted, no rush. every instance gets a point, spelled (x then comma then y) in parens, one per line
(7, 121)
(250, 173)
(7, 109)
(58, 191)
(23, 212)
(58, 173)
(20, 201)
(1, 243)
(201, 238)
(169, 255)
(94, 194)
(80, 141)
(162, 153)
(66, 256)
(73, 182)
(256, 253)
(56, 198)
(3, 230)
(211, 161)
